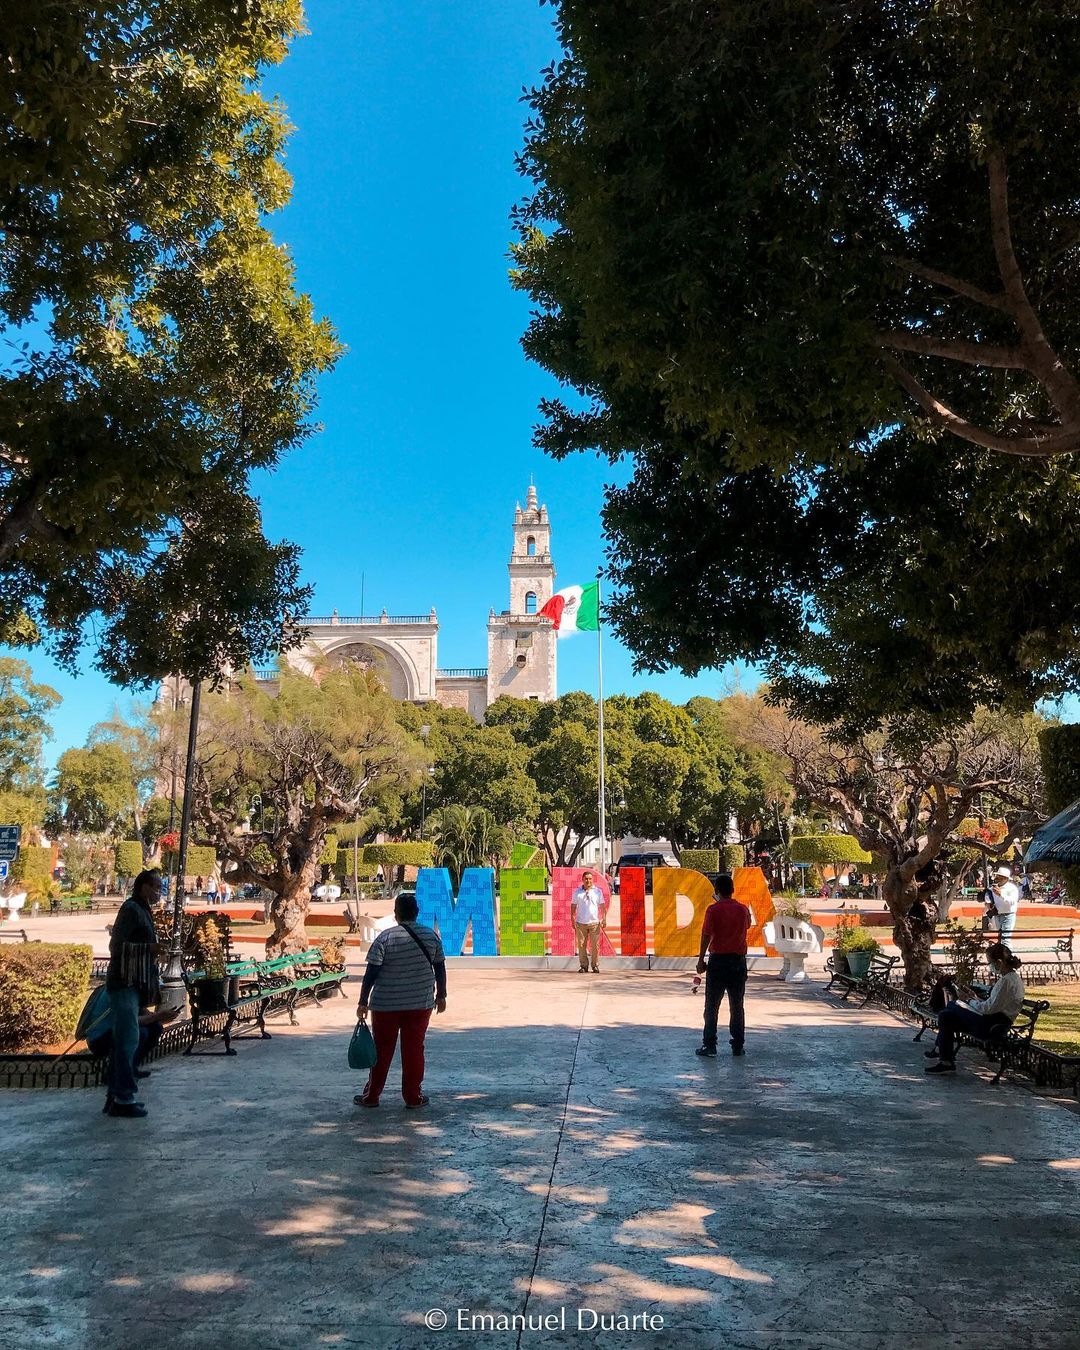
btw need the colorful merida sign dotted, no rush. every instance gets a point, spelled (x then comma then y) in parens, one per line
(527, 921)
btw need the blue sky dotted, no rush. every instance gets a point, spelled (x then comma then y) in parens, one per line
(408, 114)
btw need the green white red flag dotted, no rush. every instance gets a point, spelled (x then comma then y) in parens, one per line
(576, 609)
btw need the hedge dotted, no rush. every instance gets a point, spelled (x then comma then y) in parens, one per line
(43, 986)
(33, 866)
(129, 858)
(700, 859)
(397, 855)
(365, 871)
(828, 850)
(201, 860)
(328, 857)
(734, 856)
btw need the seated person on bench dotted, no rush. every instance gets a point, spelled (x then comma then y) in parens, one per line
(981, 1016)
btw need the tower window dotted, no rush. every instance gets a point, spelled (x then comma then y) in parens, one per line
(530, 602)
(530, 548)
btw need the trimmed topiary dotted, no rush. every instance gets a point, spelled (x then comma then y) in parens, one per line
(829, 850)
(700, 859)
(733, 856)
(129, 858)
(43, 986)
(397, 855)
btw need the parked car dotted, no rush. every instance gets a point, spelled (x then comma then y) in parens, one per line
(646, 860)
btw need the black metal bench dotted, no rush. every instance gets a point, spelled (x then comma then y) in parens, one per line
(1001, 1041)
(14, 935)
(877, 973)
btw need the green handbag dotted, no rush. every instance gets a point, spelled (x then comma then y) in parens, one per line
(362, 1054)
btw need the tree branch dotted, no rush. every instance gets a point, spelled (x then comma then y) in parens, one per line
(950, 283)
(971, 353)
(1061, 440)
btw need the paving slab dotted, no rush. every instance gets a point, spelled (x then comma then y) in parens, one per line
(578, 1169)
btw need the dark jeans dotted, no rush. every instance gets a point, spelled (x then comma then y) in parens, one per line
(124, 1026)
(955, 1018)
(725, 975)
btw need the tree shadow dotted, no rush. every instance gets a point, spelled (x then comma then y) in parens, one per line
(571, 1157)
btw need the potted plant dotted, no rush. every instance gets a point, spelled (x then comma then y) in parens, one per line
(794, 937)
(845, 925)
(210, 986)
(859, 948)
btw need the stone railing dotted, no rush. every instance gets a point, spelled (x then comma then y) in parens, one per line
(353, 620)
(462, 673)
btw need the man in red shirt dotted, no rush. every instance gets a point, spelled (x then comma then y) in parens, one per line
(723, 935)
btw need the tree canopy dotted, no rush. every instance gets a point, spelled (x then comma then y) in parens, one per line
(760, 236)
(158, 352)
(276, 770)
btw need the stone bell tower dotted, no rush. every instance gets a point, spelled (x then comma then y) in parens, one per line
(521, 645)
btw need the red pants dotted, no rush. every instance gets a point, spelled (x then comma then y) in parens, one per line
(385, 1026)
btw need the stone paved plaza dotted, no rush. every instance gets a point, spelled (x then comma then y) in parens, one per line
(820, 1192)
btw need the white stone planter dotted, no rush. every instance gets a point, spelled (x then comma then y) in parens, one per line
(795, 940)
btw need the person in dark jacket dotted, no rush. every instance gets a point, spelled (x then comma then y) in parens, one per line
(132, 983)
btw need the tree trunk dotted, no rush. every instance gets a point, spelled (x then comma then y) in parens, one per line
(288, 914)
(913, 927)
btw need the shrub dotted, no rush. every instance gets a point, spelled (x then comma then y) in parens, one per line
(129, 858)
(364, 872)
(700, 859)
(43, 986)
(33, 871)
(328, 857)
(396, 855)
(734, 855)
(828, 850)
(201, 860)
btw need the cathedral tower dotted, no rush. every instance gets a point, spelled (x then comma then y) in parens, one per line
(522, 645)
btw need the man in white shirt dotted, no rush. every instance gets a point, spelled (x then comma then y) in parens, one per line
(588, 914)
(1006, 900)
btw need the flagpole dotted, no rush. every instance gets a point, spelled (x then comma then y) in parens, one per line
(600, 723)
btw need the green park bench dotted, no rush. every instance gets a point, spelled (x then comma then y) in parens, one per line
(256, 990)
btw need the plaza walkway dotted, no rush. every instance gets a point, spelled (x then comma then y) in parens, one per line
(820, 1192)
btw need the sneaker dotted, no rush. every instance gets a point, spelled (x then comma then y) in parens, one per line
(143, 1073)
(583, 970)
(361, 1100)
(596, 970)
(931, 1053)
(942, 1066)
(704, 1051)
(415, 1106)
(737, 1050)
(128, 1110)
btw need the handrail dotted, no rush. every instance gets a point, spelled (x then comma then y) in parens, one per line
(462, 673)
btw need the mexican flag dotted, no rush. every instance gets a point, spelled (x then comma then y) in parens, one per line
(574, 610)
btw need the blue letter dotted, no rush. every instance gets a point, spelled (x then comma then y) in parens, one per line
(475, 904)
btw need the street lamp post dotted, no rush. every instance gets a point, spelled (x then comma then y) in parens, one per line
(173, 990)
(425, 732)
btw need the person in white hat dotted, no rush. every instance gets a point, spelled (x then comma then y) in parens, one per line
(1006, 900)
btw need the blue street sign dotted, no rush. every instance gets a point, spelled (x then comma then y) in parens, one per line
(3, 871)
